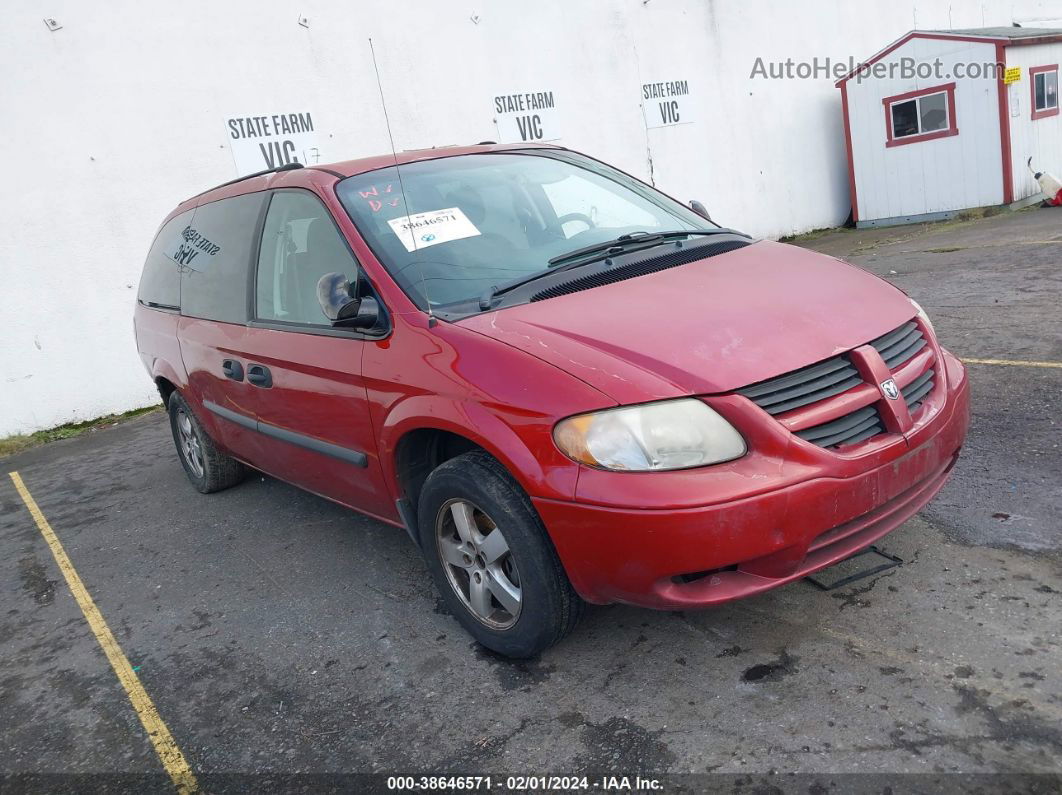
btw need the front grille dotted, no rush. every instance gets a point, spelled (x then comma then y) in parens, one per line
(900, 345)
(915, 392)
(819, 383)
(851, 428)
(804, 386)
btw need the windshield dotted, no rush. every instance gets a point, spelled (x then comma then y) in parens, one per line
(478, 221)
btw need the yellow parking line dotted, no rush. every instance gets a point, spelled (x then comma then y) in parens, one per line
(1014, 363)
(169, 754)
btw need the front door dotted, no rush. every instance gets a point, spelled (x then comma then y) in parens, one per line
(310, 398)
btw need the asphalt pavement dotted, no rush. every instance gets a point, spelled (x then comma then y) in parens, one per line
(277, 633)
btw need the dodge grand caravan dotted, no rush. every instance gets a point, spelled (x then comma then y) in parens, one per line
(563, 384)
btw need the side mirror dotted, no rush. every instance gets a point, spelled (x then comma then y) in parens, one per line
(700, 209)
(336, 295)
(368, 315)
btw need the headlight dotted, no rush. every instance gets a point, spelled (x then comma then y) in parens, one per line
(922, 314)
(677, 434)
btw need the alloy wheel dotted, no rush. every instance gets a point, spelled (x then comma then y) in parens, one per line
(478, 563)
(189, 440)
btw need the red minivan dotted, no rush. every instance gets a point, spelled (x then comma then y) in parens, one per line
(562, 383)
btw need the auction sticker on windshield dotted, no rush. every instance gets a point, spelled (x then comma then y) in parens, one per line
(421, 230)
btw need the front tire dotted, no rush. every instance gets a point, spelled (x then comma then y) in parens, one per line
(207, 468)
(491, 558)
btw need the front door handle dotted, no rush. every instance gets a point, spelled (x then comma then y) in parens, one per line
(259, 376)
(232, 369)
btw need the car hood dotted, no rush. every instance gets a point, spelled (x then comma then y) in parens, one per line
(706, 327)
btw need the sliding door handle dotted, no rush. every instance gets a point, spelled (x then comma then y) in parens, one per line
(259, 375)
(232, 369)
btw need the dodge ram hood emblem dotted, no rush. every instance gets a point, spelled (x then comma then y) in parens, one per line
(889, 389)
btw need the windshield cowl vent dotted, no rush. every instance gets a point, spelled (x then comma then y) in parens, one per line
(642, 267)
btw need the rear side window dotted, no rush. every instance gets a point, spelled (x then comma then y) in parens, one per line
(214, 253)
(160, 283)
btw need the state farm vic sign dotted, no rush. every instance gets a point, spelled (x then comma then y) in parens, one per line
(667, 103)
(527, 116)
(269, 140)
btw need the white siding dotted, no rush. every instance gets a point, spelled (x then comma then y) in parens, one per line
(943, 174)
(1040, 139)
(116, 117)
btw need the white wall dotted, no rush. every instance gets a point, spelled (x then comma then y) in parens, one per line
(938, 175)
(114, 118)
(1040, 139)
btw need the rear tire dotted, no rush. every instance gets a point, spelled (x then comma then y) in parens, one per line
(491, 558)
(207, 468)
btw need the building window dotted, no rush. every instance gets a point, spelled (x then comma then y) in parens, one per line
(920, 115)
(1043, 81)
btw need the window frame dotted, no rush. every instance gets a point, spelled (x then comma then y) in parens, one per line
(323, 330)
(948, 89)
(1033, 72)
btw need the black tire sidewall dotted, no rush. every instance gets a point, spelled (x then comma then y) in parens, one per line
(543, 611)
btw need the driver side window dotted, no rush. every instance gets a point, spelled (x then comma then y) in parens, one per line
(300, 244)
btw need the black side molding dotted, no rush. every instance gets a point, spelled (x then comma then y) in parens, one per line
(355, 457)
(231, 416)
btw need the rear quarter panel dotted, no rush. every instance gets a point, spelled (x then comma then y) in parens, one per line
(156, 341)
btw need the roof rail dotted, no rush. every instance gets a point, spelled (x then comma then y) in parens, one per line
(285, 167)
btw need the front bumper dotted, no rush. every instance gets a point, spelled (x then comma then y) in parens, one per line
(679, 558)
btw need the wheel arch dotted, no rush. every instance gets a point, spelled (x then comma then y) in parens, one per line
(419, 452)
(422, 432)
(167, 379)
(166, 388)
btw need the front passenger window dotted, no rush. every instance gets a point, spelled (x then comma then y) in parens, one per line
(300, 244)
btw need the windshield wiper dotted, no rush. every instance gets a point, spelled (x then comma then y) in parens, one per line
(624, 244)
(635, 240)
(494, 291)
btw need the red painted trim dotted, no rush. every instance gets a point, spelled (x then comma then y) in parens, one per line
(1003, 105)
(914, 34)
(848, 150)
(1054, 39)
(952, 129)
(1039, 70)
(920, 92)
(916, 139)
(919, 34)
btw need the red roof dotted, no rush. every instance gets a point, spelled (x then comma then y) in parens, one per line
(349, 168)
(326, 173)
